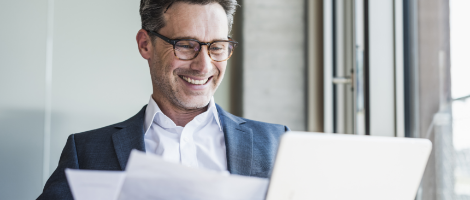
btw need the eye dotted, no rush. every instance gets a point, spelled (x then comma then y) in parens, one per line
(216, 48)
(183, 46)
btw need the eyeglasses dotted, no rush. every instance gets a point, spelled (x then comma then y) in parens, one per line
(188, 49)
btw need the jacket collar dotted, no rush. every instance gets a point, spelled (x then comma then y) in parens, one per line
(238, 140)
(130, 136)
(238, 143)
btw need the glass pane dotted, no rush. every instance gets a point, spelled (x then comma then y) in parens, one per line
(220, 50)
(186, 49)
(460, 71)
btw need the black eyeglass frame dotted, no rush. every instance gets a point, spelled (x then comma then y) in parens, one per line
(173, 42)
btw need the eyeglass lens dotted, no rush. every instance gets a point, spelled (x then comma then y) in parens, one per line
(218, 51)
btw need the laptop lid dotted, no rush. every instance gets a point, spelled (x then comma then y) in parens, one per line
(338, 166)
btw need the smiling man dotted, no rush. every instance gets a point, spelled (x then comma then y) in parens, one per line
(187, 46)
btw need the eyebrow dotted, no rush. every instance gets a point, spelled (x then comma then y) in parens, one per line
(189, 37)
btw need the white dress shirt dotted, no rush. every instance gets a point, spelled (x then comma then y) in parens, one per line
(199, 144)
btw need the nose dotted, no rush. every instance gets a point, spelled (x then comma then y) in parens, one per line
(202, 63)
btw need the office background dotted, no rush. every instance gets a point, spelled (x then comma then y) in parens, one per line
(345, 66)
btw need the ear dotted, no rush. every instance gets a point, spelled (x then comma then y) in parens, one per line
(144, 43)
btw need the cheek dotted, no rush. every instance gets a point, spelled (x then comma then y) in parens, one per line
(220, 67)
(168, 64)
(175, 66)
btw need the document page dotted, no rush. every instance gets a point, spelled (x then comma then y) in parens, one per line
(151, 177)
(94, 184)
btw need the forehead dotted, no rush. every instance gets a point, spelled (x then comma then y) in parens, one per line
(202, 22)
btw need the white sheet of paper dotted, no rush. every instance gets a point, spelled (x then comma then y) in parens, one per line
(151, 177)
(94, 184)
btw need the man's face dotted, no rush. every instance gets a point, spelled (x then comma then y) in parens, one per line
(170, 75)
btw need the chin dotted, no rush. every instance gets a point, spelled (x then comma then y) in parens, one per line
(194, 103)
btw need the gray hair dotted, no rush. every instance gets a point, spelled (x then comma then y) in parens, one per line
(151, 11)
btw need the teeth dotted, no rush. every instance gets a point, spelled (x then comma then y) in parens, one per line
(195, 82)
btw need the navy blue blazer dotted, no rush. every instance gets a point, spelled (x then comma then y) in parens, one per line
(251, 147)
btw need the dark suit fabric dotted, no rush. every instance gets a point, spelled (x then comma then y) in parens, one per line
(251, 147)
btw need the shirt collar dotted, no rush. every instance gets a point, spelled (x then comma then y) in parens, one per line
(213, 110)
(152, 110)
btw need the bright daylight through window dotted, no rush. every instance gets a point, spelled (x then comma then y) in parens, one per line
(460, 42)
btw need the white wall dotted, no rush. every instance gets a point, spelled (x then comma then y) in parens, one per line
(98, 78)
(22, 68)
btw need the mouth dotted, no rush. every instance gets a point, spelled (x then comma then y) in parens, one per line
(195, 81)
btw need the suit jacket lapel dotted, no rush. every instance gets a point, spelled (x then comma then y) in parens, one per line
(238, 142)
(131, 136)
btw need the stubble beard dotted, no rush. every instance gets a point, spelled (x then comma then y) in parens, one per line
(174, 96)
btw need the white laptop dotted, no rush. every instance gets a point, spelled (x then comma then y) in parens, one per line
(323, 166)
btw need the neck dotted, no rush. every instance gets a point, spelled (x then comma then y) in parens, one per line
(180, 116)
